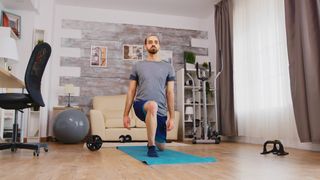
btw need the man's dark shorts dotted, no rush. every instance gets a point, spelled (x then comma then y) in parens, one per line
(161, 133)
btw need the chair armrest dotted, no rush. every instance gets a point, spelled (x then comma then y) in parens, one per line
(98, 126)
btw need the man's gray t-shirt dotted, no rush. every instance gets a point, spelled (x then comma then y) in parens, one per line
(152, 78)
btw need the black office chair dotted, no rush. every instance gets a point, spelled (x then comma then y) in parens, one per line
(19, 101)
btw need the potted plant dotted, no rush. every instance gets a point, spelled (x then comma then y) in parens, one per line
(205, 65)
(190, 59)
(40, 41)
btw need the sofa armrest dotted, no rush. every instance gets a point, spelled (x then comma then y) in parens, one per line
(98, 126)
(173, 134)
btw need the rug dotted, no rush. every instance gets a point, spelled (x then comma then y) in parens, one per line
(165, 157)
(117, 144)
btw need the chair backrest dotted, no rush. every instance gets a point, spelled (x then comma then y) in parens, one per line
(36, 66)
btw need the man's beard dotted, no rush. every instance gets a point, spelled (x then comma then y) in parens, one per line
(153, 50)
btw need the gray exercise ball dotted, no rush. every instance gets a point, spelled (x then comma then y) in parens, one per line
(71, 126)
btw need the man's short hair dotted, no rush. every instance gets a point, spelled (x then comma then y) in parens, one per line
(146, 39)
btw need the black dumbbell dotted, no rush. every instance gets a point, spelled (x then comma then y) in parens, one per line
(128, 138)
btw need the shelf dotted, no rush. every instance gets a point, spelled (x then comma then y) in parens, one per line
(194, 70)
(33, 139)
(197, 104)
(190, 87)
(188, 121)
(66, 107)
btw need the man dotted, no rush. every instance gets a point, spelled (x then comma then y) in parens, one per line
(152, 82)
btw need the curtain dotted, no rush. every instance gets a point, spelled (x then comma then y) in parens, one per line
(263, 105)
(303, 37)
(224, 85)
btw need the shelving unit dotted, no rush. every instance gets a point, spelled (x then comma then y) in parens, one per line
(7, 118)
(28, 119)
(28, 127)
(184, 98)
(6, 125)
(6, 121)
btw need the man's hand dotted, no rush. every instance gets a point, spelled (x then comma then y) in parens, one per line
(170, 124)
(126, 122)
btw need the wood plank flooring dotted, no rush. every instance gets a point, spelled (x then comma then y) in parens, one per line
(235, 161)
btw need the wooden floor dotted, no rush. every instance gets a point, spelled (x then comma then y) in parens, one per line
(235, 161)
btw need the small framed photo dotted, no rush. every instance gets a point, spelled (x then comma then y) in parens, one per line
(98, 57)
(11, 20)
(132, 52)
(166, 56)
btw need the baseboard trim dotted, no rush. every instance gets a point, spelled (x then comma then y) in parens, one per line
(42, 139)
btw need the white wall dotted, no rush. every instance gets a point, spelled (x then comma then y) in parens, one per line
(113, 16)
(127, 17)
(30, 20)
(24, 45)
(25, 42)
(211, 39)
(49, 18)
(44, 21)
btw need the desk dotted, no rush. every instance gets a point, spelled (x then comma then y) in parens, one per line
(8, 80)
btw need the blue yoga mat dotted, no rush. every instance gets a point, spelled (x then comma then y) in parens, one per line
(165, 157)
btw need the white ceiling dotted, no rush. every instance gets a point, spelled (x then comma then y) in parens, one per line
(188, 8)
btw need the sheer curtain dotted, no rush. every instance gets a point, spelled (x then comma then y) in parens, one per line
(263, 104)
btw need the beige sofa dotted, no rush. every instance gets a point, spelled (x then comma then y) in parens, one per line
(106, 120)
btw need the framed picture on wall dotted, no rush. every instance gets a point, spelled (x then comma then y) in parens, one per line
(98, 57)
(11, 20)
(166, 55)
(132, 52)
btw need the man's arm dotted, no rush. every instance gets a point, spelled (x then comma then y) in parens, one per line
(130, 96)
(170, 103)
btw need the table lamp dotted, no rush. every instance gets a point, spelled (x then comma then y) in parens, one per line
(69, 89)
(189, 112)
(8, 50)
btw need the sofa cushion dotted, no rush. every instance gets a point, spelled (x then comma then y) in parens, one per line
(112, 108)
(112, 114)
(139, 134)
(114, 123)
(109, 103)
(108, 110)
(139, 123)
(114, 119)
(117, 123)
